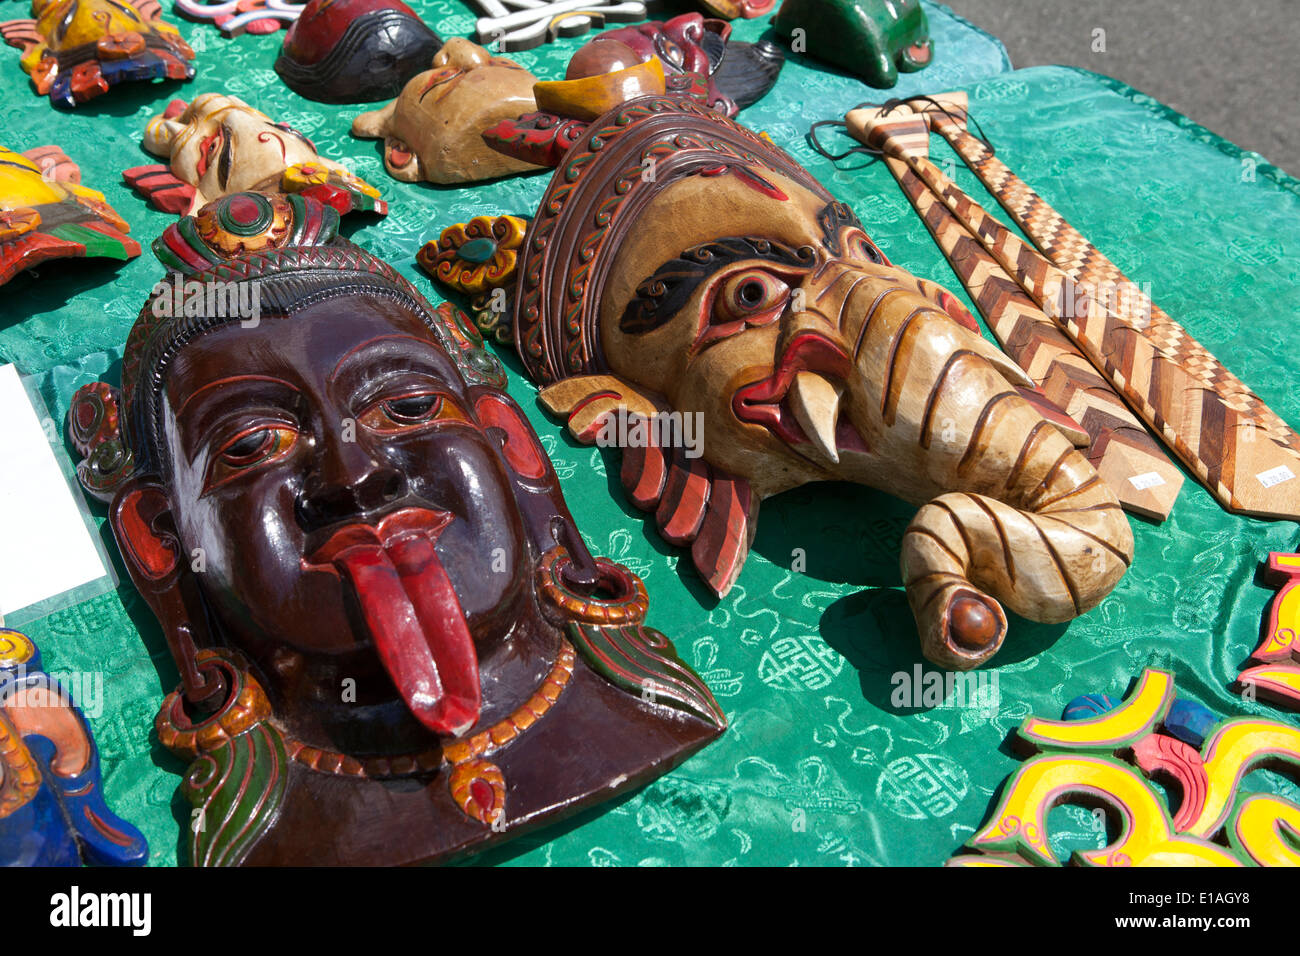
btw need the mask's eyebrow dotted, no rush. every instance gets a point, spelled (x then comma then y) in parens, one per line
(833, 217)
(662, 295)
(224, 382)
(341, 366)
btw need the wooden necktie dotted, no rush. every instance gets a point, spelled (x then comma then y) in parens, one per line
(1243, 453)
(1127, 457)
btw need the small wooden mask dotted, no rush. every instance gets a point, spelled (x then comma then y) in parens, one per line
(432, 131)
(354, 51)
(52, 809)
(45, 213)
(75, 50)
(219, 145)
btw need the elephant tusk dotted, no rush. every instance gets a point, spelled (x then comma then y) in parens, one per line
(815, 403)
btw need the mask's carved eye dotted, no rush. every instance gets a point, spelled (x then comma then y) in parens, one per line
(749, 294)
(208, 147)
(858, 246)
(671, 52)
(285, 127)
(745, 300)
(438, 77)
(414, 409)
(251, 448)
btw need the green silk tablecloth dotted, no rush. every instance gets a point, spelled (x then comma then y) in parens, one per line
(817, 766)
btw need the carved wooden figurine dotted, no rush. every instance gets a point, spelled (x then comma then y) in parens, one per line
(75, 50)
(872, 39)
(45, 213)
(220, 145)
(736, 74)
(686, 56)
(354, 51)
(397, 648)
(727, 283)
(236, 17)
(432, 131)
(52, 810)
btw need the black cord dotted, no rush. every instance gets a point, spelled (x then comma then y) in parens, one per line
(886, 108)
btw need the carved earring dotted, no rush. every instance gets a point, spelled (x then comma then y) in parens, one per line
(618, 599)
(142, 525)
(139, 513)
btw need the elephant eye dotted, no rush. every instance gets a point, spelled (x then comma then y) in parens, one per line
(858, 246)
(750, 294)
(743, 301)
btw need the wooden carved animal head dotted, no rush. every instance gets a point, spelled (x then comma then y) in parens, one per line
(683, 266)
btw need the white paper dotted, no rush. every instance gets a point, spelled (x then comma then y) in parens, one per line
(1151, 479)
(1275, 476)
(45, 546)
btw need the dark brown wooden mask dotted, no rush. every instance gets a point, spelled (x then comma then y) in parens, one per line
(383, 614)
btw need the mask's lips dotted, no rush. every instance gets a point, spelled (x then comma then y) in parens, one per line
(763, 402)
(412, 613)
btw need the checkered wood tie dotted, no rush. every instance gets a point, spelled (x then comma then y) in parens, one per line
(1125, 455)
(1243, 453)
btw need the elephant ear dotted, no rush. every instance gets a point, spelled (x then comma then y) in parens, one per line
(695, 504)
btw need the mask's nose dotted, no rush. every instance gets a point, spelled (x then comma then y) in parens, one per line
(348, 481)
(461, 54)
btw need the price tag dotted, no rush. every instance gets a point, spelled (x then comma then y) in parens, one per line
(1275, 476)
(1151, 479)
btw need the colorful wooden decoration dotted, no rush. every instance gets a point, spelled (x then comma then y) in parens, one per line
(872, 39)
(396, 634)
(432, 131)
(514, 25)
(685, 270)
(732, 9)
(1237, 447)
(735, 74)
(476, 256)
(52, 810)
(687, 56)
(235, 17)
(75, 50)
(1119, 446)
(1105, 762)
(355, 51)
(1273, 671)
(219, 145)
(45, 213)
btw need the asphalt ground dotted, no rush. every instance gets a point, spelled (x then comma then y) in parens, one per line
(1231, 65)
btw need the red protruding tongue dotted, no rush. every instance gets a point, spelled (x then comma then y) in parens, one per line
(416, 622)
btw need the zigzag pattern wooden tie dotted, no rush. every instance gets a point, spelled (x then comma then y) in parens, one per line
(1232, 447)
(1067, 248)
(1145, 480)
